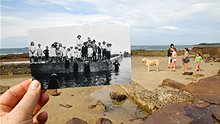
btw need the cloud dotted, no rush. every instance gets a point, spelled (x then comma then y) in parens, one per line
(169, 28)
(146, 18)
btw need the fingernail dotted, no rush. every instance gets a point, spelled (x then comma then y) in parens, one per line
(34, 85)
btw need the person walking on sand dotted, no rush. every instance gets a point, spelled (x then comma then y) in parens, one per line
(174, 58)
(198, 61)
(185, 59)
(32, 52)
(169, 55)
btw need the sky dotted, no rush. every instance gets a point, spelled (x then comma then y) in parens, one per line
(151, 22)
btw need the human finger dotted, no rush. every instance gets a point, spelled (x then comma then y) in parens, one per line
(40, 118)
(28, 103)
(12, 96)
(44, 98)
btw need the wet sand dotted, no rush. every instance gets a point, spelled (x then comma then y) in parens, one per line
(151, 80)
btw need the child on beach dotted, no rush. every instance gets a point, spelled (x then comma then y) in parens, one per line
(68, 53)
(198, 60)
(64, 51)
(75, 51)
(169, 55)
(32, 52)
(53, 53)
(39, 53)
(99, 51)
(79, 54)
(174, 58)
(46, 53)
(94, 48)
(59, 54)
(185, 59)
(104, 49)
(108, 51)
(72, 53)
(90, 52)
(84, 51)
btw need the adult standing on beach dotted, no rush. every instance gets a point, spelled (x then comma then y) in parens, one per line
(169, 54)
(79, 42)
(185, 59)
(32, 52)
(174, 58)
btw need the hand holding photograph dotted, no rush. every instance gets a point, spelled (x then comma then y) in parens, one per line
(80, 56)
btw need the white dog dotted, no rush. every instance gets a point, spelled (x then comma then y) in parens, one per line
(151, 62)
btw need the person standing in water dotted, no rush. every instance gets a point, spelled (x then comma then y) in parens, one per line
(116, 64)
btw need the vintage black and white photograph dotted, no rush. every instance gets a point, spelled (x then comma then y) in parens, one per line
(80, 56)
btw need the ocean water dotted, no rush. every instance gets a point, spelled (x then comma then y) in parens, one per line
(159, 47)
(4, 51)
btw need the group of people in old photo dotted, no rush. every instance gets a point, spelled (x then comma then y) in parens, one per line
(89, 50)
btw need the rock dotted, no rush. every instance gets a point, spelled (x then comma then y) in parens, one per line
(202, 104)
(150, 101)
(217, 59)
(190, 78)
(53, 92)
(198, 75)
(207, 50)
(75, 120)
(200, 115)
(187, 73)
(99, 106)
(3, 89)
(118, 96)
(169, 114)
(216, 113)
(172, 84)
(182, 114)
(103, 121)
(206, 89)
(66, 106)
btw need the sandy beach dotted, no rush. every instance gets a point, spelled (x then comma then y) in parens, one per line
(151, 80)
(127, 112)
